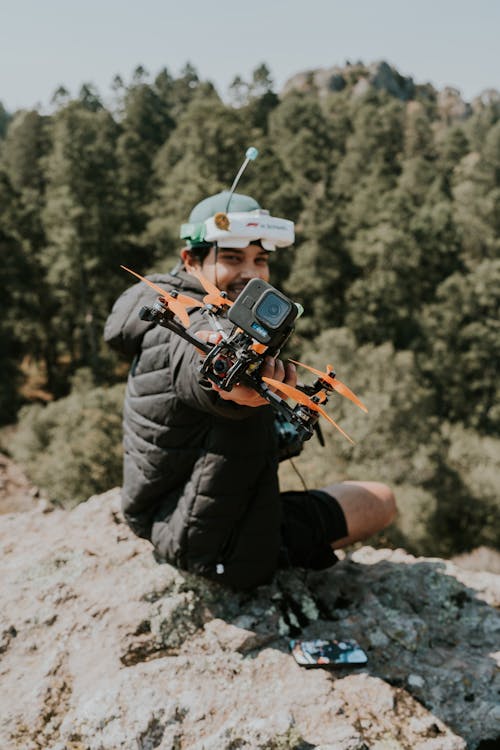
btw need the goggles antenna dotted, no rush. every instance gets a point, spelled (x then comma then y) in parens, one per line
(250, 155)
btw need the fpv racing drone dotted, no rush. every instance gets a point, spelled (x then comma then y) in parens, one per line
(262, 319)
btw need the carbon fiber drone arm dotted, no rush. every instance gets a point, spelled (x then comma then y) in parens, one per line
(163, 316)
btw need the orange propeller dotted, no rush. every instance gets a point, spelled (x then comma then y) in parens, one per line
(305, 400)
(177, 303)
(214, 296)
(336, 384)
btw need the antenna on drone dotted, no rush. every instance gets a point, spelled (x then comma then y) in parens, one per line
(250, 155)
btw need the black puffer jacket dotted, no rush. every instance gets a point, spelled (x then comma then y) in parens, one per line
(200, 473)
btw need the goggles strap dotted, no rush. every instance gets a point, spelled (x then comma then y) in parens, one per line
(216, 255)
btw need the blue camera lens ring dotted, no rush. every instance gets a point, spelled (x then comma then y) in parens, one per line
(272, 310)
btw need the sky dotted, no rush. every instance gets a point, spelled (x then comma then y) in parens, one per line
(69, 42)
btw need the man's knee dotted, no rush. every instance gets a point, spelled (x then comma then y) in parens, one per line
(368, 507)
(387, 501)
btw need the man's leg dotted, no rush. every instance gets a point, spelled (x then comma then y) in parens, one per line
(368, 507)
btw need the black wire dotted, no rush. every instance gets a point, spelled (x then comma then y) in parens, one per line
(304, 485)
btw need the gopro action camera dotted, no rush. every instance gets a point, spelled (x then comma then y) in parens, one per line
(264, 313)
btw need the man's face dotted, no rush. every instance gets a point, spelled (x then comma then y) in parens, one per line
(235, 267)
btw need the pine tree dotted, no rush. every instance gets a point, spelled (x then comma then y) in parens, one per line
(200, 158)
(298, 131)
(13, 301)
(81, 221)
(25, 148)
(462, 356)
(4, 120)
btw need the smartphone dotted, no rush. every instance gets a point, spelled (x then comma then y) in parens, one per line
(328, 653)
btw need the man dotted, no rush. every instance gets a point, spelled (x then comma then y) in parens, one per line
(201, 465)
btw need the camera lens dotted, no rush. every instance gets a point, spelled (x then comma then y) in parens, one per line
(272, 310)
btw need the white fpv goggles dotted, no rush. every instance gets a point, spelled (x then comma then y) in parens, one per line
(239, 229)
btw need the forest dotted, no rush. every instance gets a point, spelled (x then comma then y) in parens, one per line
(396, 200)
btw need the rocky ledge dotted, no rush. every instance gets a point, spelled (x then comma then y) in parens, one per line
(101, 648)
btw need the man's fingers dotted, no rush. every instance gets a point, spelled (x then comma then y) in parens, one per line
(208, 337)
(279, 370)
(267, 370)
(290, 374)
(242, 395)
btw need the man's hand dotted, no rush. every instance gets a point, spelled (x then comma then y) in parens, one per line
(273, 368)
(244, 395)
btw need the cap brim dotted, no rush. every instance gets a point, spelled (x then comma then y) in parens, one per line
(267, 245)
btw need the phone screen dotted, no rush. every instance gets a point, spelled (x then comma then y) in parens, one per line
(321, 653)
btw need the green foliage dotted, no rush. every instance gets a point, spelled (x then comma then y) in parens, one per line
(417, 133)
(372, 152)
(4, 120)
(399, 405)
(322, 268)
(382, 301)
(486, 114)
(147, 121)
(466, 491)
(476, 459)
(22, 173)
(462, 356)
(13, 271)
(256, 98)
(198, 159)
(72, 447)
(81, 221)
(299, 132)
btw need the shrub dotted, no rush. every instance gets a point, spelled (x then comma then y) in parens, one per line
(72, 447)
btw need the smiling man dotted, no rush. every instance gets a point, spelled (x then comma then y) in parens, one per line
(201, 466)
(231, 269)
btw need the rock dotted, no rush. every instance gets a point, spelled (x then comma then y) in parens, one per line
(378, 75)
(451, 106)
(481, 558)
(487, 98)
(359, 79)
(415, 680)
(101, 648)
(17, 493)
(386, 78)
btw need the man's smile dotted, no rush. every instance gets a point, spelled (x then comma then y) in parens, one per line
(236, 288)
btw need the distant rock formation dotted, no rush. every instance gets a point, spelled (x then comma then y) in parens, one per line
(359, 78)
(102, 648)
(451, 105)
(378, 75)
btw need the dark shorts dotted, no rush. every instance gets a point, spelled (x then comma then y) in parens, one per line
(311, 521)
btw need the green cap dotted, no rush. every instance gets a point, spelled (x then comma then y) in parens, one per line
(216, 203)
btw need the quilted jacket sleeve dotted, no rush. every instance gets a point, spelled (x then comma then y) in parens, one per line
(124, 329)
